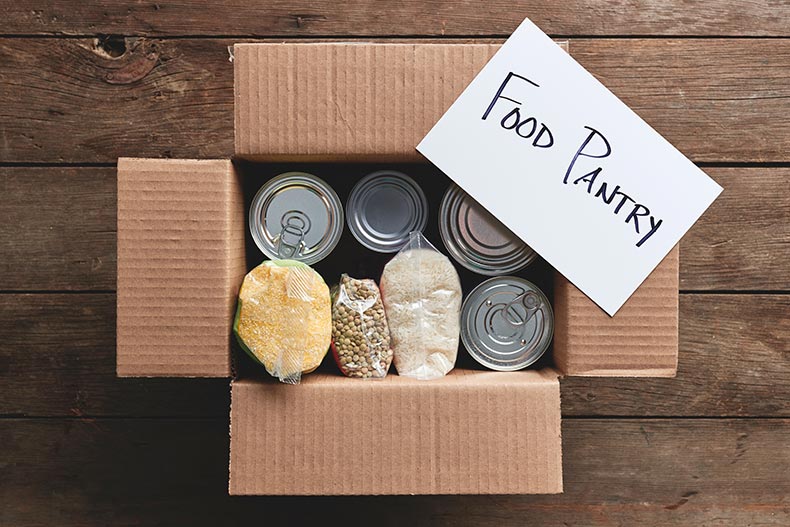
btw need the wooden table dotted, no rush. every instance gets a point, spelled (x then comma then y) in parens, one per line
(80, 447)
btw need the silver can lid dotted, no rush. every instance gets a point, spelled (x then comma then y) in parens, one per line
(296, 216)
(506, 323)
(477, 240)
(383, 208)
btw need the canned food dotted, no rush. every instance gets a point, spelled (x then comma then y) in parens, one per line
(383, 208)
(506, 323)
(296, 216)
(477, 240)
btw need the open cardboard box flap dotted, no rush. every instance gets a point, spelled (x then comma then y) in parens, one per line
(181, 258)
(180, 262)
(471, 432)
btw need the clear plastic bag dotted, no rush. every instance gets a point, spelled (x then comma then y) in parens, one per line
(360, 335)
(422, 297)
(283, 318)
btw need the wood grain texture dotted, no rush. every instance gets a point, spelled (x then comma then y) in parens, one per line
(69, 101)
(743, 240)
(617, 472)
(57, 228)
(299, 18)
(734, 361)
(735, 246)
(58, 356)
(718, 100)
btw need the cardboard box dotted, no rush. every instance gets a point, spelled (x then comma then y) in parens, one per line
(182, 255)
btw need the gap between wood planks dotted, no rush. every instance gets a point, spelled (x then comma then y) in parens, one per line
(363, 38)
(700, 164)
(295, 18)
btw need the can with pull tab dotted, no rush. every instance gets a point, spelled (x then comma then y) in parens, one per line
(506, 323)
(296, 216)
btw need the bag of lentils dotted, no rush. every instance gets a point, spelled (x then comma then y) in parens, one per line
(422, 299)
(360, 336)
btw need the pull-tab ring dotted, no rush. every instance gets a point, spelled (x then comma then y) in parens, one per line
(521, 309)
(290, 241)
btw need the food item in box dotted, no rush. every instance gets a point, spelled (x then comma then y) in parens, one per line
(360, 335)
(296, 216)
(383, 208)
(506, 323)
(284, 318)
(477, 240)
(422, 299)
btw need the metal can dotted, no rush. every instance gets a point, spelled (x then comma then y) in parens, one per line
(477, 240)
(383, 208)
(296, 216)
(506, 323)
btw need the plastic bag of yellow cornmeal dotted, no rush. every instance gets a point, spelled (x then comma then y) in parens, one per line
(284, 318)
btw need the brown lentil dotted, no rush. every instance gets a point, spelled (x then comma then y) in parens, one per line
(360, 336)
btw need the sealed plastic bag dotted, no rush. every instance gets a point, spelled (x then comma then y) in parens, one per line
(283, 319)
(360, 335)
(422, 299)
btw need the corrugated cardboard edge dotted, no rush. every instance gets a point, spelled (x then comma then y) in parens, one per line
(472, 432)
(180, 261)
(641, 340)
(346, 101)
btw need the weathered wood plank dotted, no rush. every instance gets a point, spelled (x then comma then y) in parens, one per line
(58, 353)
(63, 220)
(718, 100)
(617, 472)
(710, 98)
(403, 17)
(68, 101)
(743, 240)
(734, 361)
(57, 228)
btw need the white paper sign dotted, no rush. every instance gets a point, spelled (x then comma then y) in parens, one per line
(569, 168)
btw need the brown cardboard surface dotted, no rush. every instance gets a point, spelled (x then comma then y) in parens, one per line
(180, 263)
(472, 432)
(641, 340)
(346, 101)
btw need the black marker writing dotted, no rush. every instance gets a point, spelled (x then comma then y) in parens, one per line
(622, 202)
(581, 152)
(654, 225)
(524, 128)
(499, 95)
(602, 192)
(596, 146)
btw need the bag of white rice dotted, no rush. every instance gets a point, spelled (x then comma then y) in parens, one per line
(422, 300)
